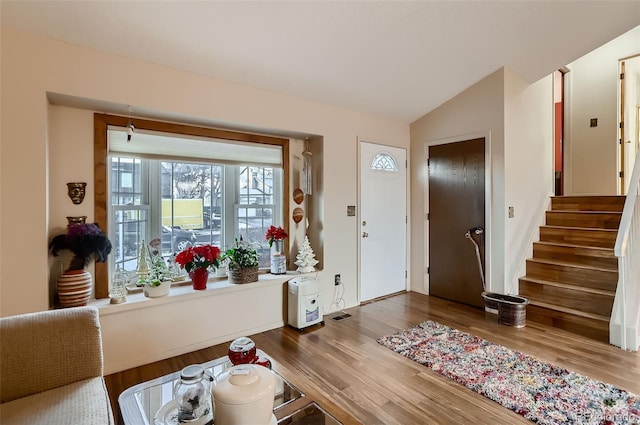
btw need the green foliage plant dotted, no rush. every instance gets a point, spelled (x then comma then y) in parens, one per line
(158, 272)
(241, 255)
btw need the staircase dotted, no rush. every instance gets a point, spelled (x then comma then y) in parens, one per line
(571, 279)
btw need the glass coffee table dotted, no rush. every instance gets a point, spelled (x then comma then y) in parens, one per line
(141, 403)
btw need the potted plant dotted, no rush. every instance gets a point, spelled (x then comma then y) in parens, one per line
(197, 260)
(276, 236)
(87, 243)
(242, 262)
(157, 282)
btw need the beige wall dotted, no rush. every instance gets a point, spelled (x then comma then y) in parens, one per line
(32, 170)
(591, 152)
(69, 131)
(476, 112)
(528, 182)
(515, 118)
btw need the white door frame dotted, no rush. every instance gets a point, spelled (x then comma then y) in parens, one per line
(359, 215)
(626, 112)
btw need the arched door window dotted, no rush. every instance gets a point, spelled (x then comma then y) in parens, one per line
(384, 162)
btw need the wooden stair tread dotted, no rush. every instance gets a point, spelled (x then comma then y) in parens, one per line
(584, 219)
(572, 311)
(584, 236)
(570, 245)
(555, 262)
(585, 212)
(578, 254)
(586, 196)
(596, 229)
(588, 203)
(569, 286)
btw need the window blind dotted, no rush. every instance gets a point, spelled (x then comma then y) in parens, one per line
(156, 145)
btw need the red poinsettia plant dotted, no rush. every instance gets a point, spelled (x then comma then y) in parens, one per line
(199, 257)
(275, 234)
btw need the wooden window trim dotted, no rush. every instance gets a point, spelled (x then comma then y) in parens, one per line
(101, 123)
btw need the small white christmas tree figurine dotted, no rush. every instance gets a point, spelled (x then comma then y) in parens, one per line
(306, 259)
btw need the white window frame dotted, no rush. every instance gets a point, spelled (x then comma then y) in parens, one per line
(151, 191)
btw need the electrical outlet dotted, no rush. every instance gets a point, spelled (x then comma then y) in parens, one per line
(337, 280)
(511, 212)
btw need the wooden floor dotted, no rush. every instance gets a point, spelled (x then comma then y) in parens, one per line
(342, 367)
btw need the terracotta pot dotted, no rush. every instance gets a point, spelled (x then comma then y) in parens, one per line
(199, 278)
(74, 288)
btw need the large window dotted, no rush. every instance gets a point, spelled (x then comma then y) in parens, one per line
(183, 204)
(186, 188)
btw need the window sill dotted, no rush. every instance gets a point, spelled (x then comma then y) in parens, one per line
(181, 293)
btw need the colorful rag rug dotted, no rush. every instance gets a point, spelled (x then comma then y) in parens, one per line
(537, 390)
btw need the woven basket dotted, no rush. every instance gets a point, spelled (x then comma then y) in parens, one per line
(491, 302)
(512, 309)
(247, 275)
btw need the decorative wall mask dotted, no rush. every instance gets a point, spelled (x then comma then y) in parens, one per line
(76, 191)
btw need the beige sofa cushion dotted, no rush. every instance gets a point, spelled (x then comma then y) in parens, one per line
(51, 369)
(83, 402)
(49, 349)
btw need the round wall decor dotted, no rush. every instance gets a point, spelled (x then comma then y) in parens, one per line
(298, 196)
(297, 214)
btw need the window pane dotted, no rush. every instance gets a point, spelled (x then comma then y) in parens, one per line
(129, 229)
(129, 217)
(255, 208)
(191, 205)
(125, 181)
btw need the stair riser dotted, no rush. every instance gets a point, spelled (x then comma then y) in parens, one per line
(598, 238)
(579, 255)
(588, 203)
(591, 328)
(568, 298)
(596, 279)
(589, 220)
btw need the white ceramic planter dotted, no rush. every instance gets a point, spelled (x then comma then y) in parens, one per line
(157, 291)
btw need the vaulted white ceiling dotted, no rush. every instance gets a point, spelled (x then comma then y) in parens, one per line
(399, 59)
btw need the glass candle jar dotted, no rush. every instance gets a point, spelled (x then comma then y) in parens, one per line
(193, 394)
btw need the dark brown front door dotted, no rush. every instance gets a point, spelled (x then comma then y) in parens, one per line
(456, 204)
